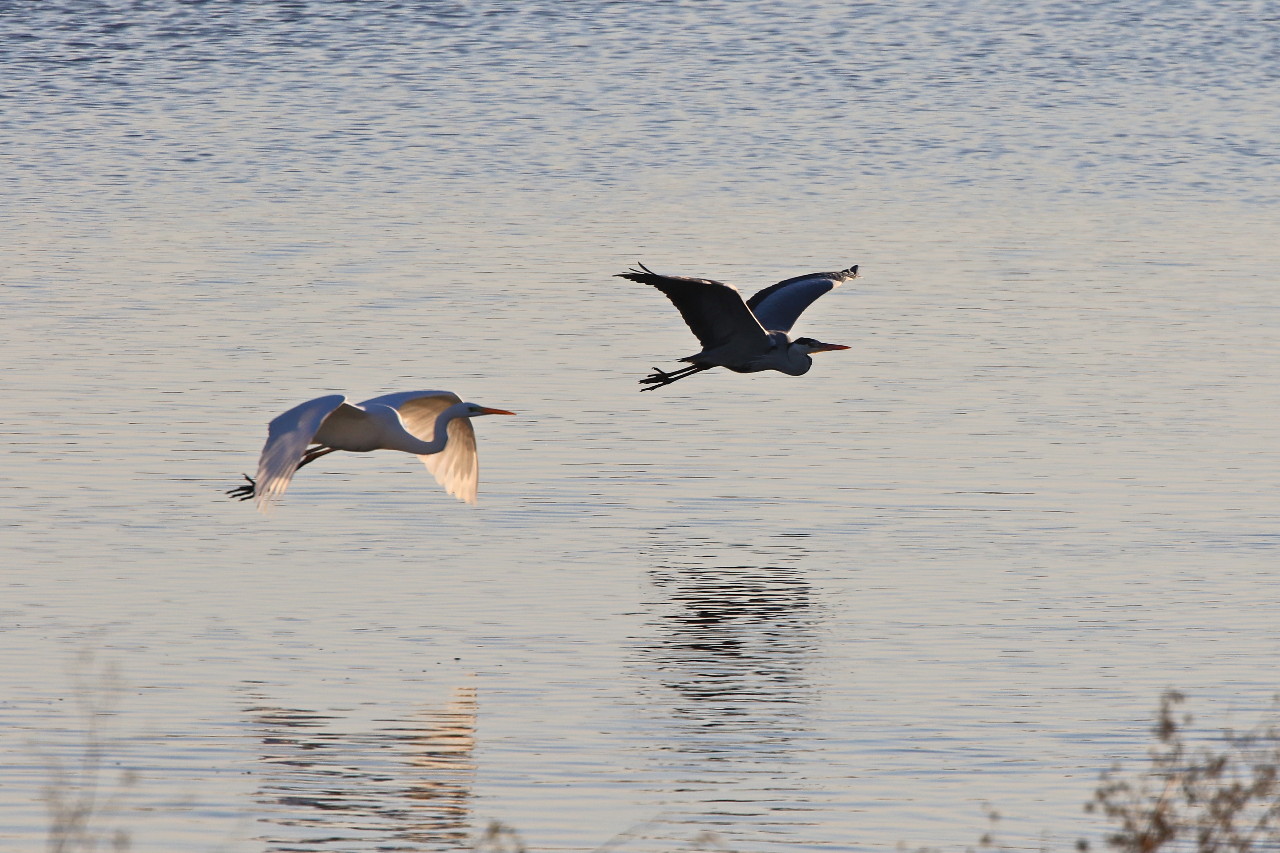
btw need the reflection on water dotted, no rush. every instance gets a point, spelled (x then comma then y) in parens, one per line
(725, 660)
(731, 636)
(410, 781)
(1041, 490)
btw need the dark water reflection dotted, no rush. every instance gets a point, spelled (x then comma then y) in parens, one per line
(729, 638)
(406, 785)
(724, 666)
(1050, 450)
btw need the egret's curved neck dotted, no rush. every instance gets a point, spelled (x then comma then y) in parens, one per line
(409, 443)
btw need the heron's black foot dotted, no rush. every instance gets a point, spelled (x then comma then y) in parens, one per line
(657, 379)
(662, 377)
(244, 493)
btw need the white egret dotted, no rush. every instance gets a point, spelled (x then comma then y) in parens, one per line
(743, 336)
(434, 425)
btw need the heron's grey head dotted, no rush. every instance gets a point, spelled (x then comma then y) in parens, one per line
(811, 345)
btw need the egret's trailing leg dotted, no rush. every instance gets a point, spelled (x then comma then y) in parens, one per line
(244, 493)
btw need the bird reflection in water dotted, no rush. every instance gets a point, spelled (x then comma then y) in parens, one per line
(408, 782)
(732, 639)
(723, 664)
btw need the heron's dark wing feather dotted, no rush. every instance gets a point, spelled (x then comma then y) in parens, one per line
(779, 306)
(714, 312)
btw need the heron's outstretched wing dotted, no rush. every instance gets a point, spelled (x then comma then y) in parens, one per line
(714, 312)
(779, 306)
(457, 467)
(287, 438)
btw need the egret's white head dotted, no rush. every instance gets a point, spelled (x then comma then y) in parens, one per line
(474, 411)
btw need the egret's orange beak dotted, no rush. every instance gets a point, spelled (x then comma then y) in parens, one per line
(495, 411)
(830, 348)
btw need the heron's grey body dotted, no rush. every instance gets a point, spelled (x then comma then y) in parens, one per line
(743, 336)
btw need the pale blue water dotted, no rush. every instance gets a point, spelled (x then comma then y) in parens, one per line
(952, 567)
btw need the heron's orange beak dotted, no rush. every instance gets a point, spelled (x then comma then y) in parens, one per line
(495, 411)
(830, 348)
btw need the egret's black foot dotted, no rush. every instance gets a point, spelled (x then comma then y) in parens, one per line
(244, 493)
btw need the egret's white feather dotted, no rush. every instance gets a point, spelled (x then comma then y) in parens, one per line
(433, 425)
(457, 467)
(288, 436)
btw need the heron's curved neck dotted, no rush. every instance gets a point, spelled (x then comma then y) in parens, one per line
(798, 360)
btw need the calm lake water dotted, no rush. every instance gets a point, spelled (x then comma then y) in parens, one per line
(950, 569)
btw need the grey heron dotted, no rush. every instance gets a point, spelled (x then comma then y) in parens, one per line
(434, 425)
(745, 336)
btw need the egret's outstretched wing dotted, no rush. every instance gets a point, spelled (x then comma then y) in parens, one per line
(779, 306)
(457, 467)
(287, 438)
(418, 409)
(714, 312)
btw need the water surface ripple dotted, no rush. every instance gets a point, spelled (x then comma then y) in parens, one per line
(950, 569)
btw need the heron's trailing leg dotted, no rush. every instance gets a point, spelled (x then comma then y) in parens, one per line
(244, 493)
(660, 377)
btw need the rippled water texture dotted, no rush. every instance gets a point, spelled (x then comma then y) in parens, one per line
(950, 569)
